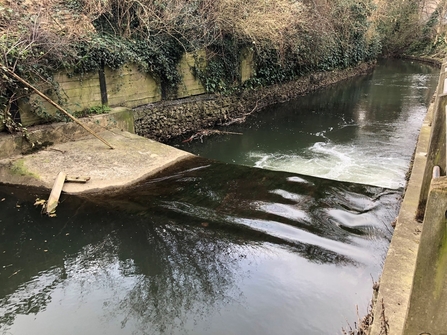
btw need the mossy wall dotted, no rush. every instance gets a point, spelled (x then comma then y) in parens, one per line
(126, 86)
(76, 93)
(190, 85)
(129, 87)
(247, 65)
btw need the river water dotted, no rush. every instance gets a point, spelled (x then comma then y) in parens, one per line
(212, 247)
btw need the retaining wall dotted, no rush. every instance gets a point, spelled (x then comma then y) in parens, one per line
(126, 87)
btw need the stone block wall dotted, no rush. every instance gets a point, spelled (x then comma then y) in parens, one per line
(170, 119)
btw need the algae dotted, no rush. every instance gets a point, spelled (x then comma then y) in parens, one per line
(18, 168)
(441, 265)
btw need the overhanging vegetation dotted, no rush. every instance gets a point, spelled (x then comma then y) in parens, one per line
(289, 38)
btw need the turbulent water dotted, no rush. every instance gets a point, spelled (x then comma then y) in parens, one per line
(211, 247)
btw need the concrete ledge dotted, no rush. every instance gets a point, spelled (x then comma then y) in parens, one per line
(133, 159)
(396, 283)
(67, 147)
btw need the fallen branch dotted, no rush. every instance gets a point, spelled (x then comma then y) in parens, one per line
(24, 82)
(242, 118)
(208, 132)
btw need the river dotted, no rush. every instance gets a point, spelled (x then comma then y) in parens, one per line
(281, 230)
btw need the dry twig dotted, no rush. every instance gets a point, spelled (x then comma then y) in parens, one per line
(208, 132)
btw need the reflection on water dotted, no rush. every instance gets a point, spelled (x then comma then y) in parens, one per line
(191, 252)
(215, 248)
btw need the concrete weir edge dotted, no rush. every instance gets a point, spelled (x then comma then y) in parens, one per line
(76, 153)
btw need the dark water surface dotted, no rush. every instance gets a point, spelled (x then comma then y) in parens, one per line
(217, 248)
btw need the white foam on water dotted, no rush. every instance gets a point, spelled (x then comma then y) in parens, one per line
(351, 163)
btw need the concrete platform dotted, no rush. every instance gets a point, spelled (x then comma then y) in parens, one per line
(132, 159)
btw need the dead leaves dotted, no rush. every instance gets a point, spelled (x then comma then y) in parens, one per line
(43, 203)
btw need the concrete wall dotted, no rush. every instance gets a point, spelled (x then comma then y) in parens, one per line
(436, 152)
(120, 118)
(129, 87)
(190, 85)
(412, 298)
(77, 92)
(126, 86)
(247, 65)
(428, 304)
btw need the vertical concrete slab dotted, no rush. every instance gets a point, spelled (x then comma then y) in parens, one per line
(436, 153)
(77, 93)
(129, 87)
(247, 65)
(190, 85)
(428, 305)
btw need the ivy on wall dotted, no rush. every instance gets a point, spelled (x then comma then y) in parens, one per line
(347, 40)
(287, 38)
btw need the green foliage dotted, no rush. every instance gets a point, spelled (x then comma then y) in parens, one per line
(288, 39)
(95, 110)
(346, 44)
(403, 29)
(429, 41)
(221, 73)
(399, 26)
(158, 56)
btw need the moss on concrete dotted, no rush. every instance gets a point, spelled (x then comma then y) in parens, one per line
(190, 85)
(123, 119)
(18, 167)
(441, 265)
(428, 303)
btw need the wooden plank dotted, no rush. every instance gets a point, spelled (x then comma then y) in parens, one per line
(77, 179)
(53, 200)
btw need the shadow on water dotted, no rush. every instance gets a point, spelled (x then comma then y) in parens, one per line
(183, 251)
